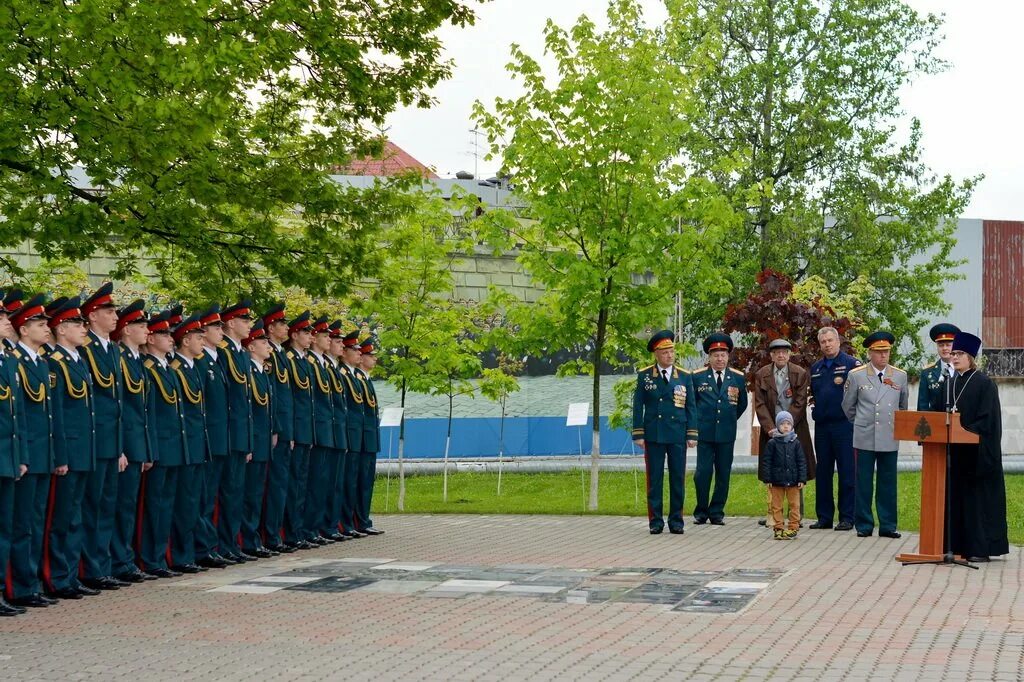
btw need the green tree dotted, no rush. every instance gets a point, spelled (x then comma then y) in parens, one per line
(618, 221)
(799, 121)
(497, 384)
(203, 133)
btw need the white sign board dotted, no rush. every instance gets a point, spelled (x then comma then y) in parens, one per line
(578, 413)
(391, 416)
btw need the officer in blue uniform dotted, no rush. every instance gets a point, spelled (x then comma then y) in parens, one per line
(332, 520)
(262, 441)
(137, 411)
(103, 358)
(234, 359)
(188, 337)
(319, 481)
(833, 432)
(160, 484)
(215, 395)
(355, 402)
(371, 440)
(74, 451)
(13, 456)
(664, 424)
(935, 375)
(720, 397)
(277, 469)
(301, 376)
(32, 490)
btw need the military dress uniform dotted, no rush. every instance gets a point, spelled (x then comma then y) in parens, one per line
(137, 411)
(322, 474)
(103, 357)
(283, 426)
(720, 399)
(340, 403)
(215, 396)
(74, 447)
(935, 376)
(833, 440)
(32, 491)
(665, 417)
(13, 456)
(262, 436)
(871, 399)
(355, 401)
(301, 375)
(371, 446)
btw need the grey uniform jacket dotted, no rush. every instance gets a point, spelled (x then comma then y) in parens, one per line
(871, 405)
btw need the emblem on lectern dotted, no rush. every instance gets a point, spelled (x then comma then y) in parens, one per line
(923, 431)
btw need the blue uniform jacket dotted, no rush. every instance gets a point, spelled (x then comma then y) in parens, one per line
(323, 402)
(36, 405)
(371, 415)
(263, 397)
(137, 409)
(301, 374)
(73, 427)
(192, 408)
(107, 390)
(238, 370)
(827, 381)
(168, 416)
(932, 386)
(284, 419)
(12, 420)
(719, 409)
(355, 402)
(664, 412)
(340, 401)
(215, 392)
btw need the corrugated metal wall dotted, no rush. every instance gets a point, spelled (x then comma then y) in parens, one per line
(1003, 272)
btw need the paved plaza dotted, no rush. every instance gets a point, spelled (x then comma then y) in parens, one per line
(546, 597)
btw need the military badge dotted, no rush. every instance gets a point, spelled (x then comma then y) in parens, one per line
(837, 381)
(789, 393)
(679, 396)
(734, 394)
(53, 380)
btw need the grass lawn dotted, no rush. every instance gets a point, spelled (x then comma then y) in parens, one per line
(621, 494)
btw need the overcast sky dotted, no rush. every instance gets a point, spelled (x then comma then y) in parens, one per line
(971, 114)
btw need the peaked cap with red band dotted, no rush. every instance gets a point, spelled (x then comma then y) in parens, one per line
(174, 315)
(13, 300)
(133, 312)
(351, 340)
(274, 314)
(68, 311)
(101, 298)
(158, 324)
(210, 316)
(186, 326)
(368, 347)
(718, 341)
(320, 326)
(34, 309)
(258, 331)
(242, 309)
(943, 331)
(335, 329)
(300, 322)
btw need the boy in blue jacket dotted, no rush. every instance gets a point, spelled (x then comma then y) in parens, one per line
(783, 467)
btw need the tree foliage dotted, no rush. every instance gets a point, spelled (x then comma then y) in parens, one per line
(194, 131)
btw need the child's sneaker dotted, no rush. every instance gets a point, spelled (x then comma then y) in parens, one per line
(790, 534)
(780, 534)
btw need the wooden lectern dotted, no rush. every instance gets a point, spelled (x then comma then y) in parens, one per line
(930, 429)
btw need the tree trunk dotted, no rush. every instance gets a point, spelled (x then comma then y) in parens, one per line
(501, 444)
(448, 440)
(595, 446)
(401, 453)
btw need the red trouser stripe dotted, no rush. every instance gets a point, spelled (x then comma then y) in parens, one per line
(140, 514)
(46, 534)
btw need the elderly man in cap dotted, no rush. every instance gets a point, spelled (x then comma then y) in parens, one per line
(664, 424)
(873, 393)
(720, 396)
(935, 375)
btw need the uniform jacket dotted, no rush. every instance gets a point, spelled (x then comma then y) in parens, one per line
(323, 401)
(340, 405)
(107, 390)
(73, 427)
(301, 376)
(13, 453)
(137, 409)
(193, 408)
(371, 415)
(664, 412)
(355, 402)
(263, 397)
(827, 381)
(718, 409)
(37, 406)
(932, 386)
(765, 400)
(215, 392)
(169, 442)
(871, 405)
(237, 369)
(283, 418)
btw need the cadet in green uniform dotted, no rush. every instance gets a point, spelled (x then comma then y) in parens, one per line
(720, 396)
(32, 491)
(188, 336)
(355, 404)
(74, 451)
(935, 375)
(160, 484)
(215, 395)
(234, 359)
(301, 375)
(262, 441)
(137, 410)
(103, 358)
(10, 303)
(337, 495)
(319, 480)
(277, 470)
(13, 457)
(664, 424)
(371, 440)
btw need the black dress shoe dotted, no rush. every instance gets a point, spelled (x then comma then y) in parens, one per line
(115, 581)
(372, 531)
(228, 559)
(97, 584)
(244, 556)
(302, 544)
(677, 530)
(863, 533)
(148, 576)
(844, 525)
(356, 534)
(35, 601)
(164, 572)
(889, 534)
(67, 593)
(656, 530)
(699, 521)
(820, 524)
(211, 562)
(7, 610)
(259, 552)
(337, 537)
(186, 568)
(281, 549)
(978, 559)
(717, 522)
(131, 577)
(317, 540)
(87, 591)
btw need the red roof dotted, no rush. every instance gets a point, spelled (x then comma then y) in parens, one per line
(394, 160)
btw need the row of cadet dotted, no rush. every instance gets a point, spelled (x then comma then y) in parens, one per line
(137, 446)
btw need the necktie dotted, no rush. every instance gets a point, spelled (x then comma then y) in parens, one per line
(718, 379)
(664, 374)
(879, 377)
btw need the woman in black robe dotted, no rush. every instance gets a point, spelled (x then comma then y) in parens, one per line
(977, 489)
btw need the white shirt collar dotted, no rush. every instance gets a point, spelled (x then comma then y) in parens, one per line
(257, 365)
(131, 351)
(187, 360)
(236, 344)
(316, 355)
(72, 353)
(32, 355)
(160, 359)
(103, 342)
(276, 346)
(211, 351)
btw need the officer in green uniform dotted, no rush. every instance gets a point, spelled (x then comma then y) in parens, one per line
(137, 411)
(188, 337)
(720, 394)
(215, 396)
(333, 518)
(9, 303)
(32, 491)
(935, 375)
(277, 469)
(301, 376)
(13, 456)
(234, 359)
(74, 451)
(319, 480)
(262, 441)
(103, 358)
(371, 440)
(160, 484)
(664, 424)
(355, 399)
